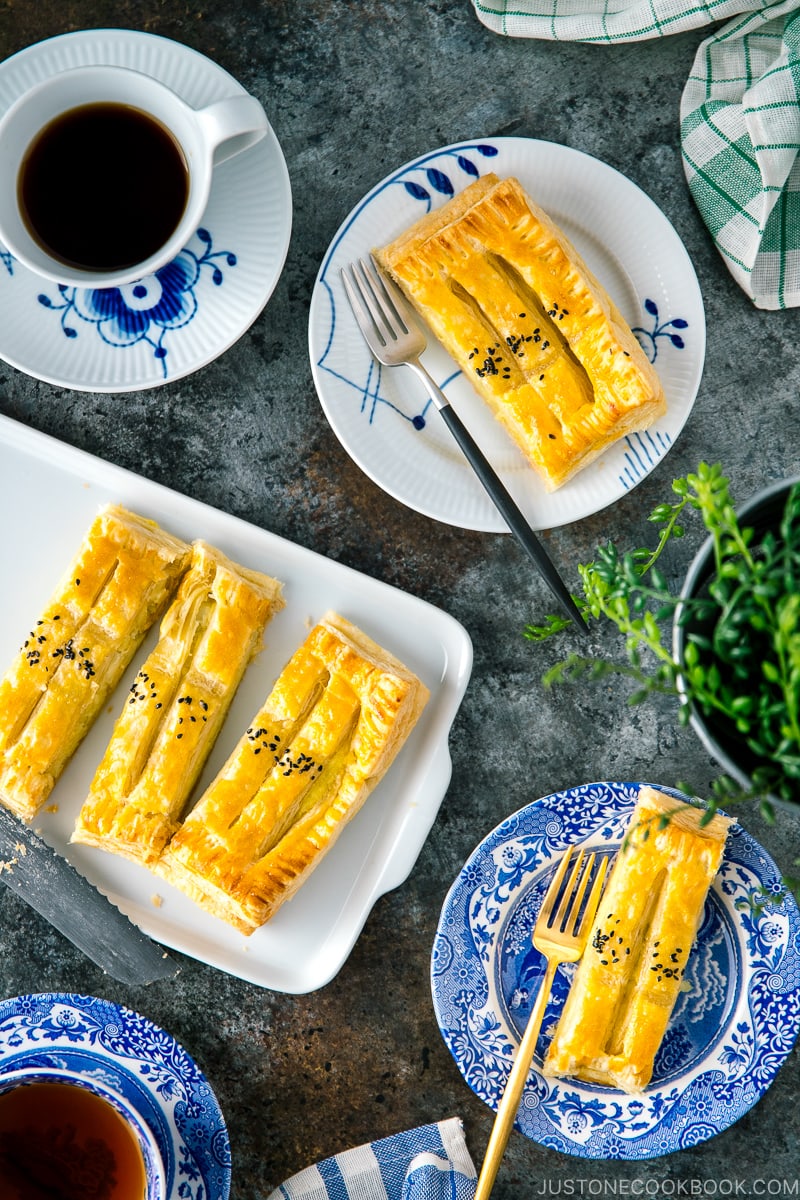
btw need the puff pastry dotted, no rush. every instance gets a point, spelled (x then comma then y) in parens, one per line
(176, 706)
(117, 585)
(336, 717)
(537, 335)
(630, 975)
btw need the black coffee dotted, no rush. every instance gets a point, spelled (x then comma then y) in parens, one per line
(103, 186)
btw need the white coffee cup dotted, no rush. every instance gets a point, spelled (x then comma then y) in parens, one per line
(205, 137)
(73, 1137)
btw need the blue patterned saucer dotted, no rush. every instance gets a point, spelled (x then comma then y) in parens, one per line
(139, 1061)
(169, 324)
(731, 1029)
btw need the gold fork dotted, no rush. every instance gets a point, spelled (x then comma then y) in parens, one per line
(560, 934)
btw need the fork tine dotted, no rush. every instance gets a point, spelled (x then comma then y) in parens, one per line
(554, 889)
(566, 905)
(354, 294)
(576, 909)
(594, 897)
(392, 297)
(381, 318)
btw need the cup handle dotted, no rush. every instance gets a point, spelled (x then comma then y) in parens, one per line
(232, 125)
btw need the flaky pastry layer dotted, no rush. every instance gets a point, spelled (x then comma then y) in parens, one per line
(335, 719)
(630, 976)
(534, 331)
(176, 706)
(118, 584)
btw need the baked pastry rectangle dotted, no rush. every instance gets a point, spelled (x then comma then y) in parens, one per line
(118, 584)
(629, 978)
(176, 706)
(536, 334)
(335, 719)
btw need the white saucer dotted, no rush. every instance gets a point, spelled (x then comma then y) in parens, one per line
(383, 417)
(193, 310)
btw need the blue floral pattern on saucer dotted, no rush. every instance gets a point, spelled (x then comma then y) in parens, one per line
(144, 311)
(185, 316)
(729, 1033)
(139, 1061)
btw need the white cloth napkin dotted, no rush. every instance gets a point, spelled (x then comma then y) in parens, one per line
(740, 116)
(428, 1163)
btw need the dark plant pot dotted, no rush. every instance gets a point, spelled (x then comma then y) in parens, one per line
(762, 512)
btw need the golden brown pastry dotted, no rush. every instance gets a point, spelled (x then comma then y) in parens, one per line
(326, 734)
(121, 578)
(176, 706)
(628, 980)
(537, 335)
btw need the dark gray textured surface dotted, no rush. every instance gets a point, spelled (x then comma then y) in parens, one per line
(354, 90)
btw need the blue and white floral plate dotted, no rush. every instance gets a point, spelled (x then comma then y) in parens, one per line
(174, 322)
(383, 417)
(730, 1031)
(138, 1060)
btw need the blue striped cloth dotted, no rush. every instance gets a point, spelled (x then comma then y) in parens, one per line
(429, 1163)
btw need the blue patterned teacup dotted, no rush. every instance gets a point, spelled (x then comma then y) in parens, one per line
(69, 1133)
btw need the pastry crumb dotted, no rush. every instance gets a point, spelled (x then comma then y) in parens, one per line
(21, 849)
(156, 900)
(52, 808)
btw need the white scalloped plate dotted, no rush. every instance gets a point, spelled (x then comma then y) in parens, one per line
(382, 416)
(178, 320)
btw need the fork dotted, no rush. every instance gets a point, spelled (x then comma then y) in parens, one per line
(560, 934)
(396, 339)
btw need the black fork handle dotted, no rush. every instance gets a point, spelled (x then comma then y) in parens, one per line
(505, 505)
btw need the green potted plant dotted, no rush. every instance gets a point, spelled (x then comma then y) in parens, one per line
(727, 645)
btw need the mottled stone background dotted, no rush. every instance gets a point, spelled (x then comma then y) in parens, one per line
(353, 90)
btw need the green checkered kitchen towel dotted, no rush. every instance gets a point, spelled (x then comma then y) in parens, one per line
(740, 117)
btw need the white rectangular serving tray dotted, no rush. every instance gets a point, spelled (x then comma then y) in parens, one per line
(49, 494)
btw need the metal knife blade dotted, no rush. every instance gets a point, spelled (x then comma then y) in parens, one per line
(74, 906)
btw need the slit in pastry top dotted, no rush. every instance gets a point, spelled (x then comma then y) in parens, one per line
(123, 574)
(176, 706)
(631, 973)
(326, 734)
(536, 334)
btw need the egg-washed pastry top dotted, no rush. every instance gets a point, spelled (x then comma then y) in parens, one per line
(117, 585)
(332, 724)
(631, 973)
(175, 708)
(536, 334)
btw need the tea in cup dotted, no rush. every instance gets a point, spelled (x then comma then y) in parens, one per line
(67, 1134)
(106, 172)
